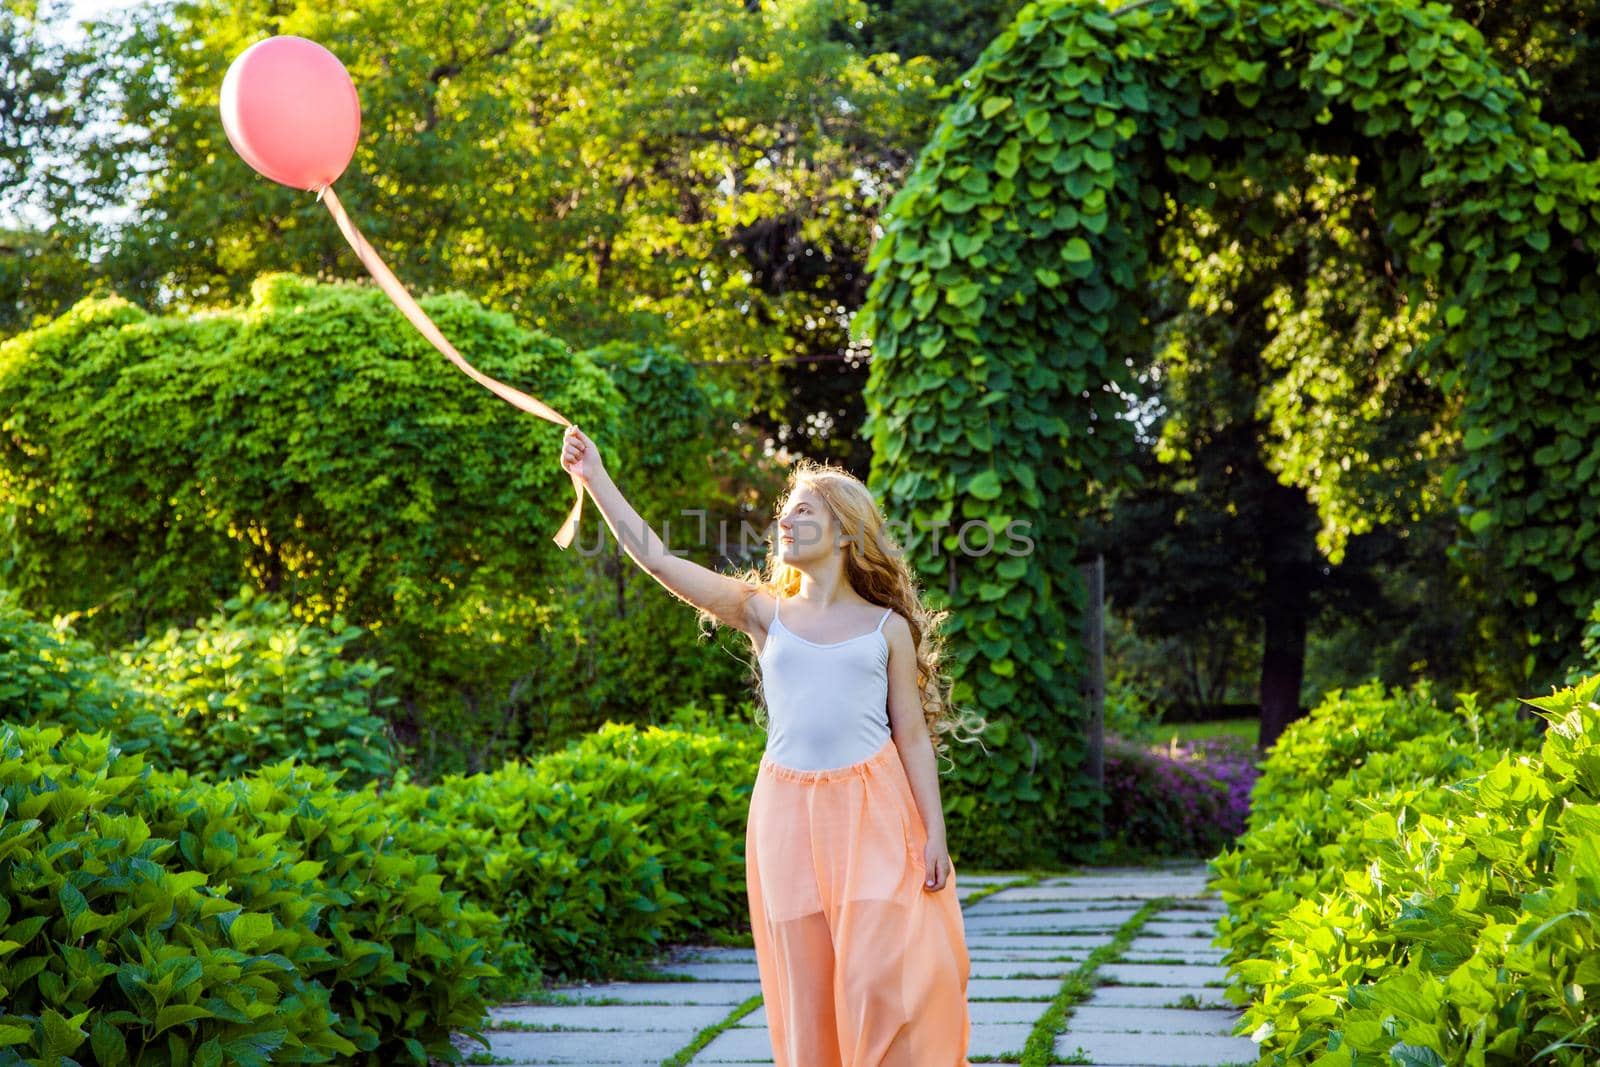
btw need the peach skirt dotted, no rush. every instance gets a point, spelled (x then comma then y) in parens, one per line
(861, 965)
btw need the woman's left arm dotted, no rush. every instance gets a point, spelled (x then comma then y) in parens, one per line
(911, 737)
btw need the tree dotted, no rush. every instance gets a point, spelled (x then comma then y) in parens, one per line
(1012, 301)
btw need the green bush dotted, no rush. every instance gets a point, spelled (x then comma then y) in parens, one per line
(1351, 726)
(247, 687)
(359, 911)
(251, 685)
(311, 444)
(168, 919)
(1424, 903)
(50, 677)
(111, 950)
(598, 854)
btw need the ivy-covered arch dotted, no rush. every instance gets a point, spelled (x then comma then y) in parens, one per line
(1009, 289)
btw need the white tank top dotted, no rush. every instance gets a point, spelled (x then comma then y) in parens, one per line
(827, 705)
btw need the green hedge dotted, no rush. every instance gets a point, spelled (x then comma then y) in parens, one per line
(246, 687)
(380, 917)
(1417, 885)
(311, 445)
(147, 918)
(600, 854)
(356, 907)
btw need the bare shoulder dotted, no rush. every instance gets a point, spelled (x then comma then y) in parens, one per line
(759, 607)
(898, 631)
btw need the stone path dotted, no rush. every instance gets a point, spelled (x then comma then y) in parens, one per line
(1159, 1005)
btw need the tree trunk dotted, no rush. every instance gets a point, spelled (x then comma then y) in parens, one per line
(1285, 607)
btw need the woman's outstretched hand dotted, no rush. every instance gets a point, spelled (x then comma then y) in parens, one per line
(579, 456)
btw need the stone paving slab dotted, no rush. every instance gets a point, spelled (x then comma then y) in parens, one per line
(996, 1039)
(1183, 928)
(668, 992)
(1137, 996)
(1167, 1020)
(1162, 973)
(1052, 921)
(1012, 988)
(1035, 942)
(650, 1046)
(1169, 944)
(1001, 904)
(1121, 890)
(999, 955)
(679, 1017)
(1157, 1050)
(1162, 959)
(1056, 969)
(740, 1043)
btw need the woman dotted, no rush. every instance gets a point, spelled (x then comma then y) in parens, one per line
(858, 932)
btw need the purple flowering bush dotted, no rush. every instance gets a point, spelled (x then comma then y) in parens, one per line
(1178, 798)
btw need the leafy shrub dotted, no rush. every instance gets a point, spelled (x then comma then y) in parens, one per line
(244, 688)
(168, 919)
(1428, 906)
(251, 685)
(375, 483)
(596, 854)
(359, 910)
(1177, 798)
(1349, 727)
(48, 676)
(1589, 643)
(112, 951)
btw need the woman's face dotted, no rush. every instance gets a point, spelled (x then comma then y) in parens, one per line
(805, 528)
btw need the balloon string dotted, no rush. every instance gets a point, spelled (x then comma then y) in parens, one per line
(419, 318)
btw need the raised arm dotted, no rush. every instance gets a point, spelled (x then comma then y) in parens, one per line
(733, 602)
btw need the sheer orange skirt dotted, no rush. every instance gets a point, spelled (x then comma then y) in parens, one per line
(861, 965)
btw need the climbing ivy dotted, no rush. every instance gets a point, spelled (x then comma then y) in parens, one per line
(1010, 284)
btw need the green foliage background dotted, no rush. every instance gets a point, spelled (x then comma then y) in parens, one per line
(1005, 314)
(312, 446)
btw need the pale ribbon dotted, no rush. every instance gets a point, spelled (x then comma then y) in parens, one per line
(408, 307)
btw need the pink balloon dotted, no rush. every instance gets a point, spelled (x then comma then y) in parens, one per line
(291, 111)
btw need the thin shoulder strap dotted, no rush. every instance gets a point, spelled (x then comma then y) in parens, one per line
(885, 618)
(776, 597)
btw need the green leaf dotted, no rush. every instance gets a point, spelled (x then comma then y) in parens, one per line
(994, 105)
(1008, 159)
(1404, 1055)
(73, 904)
(962, 295)
(956, 201)
(175, 1014)
(1076, 250)
(110, 1047)
(62, 1036)
(986, 486)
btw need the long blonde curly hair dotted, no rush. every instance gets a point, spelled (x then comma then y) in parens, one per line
(876, 568)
